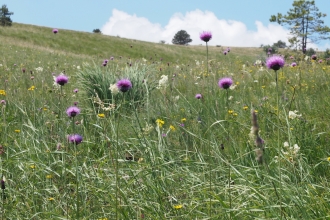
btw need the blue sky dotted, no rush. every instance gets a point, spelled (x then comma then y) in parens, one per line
(232, 22)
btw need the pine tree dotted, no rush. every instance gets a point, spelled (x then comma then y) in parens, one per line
(5, 16)
(305, 22)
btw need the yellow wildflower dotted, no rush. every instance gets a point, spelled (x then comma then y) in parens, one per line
(230, 111)
(49, 176)
(172, 128)
(328, 159)
(245, 108)
(2, 92)
(235, 114)
(51, 199)
(101, 115)
(31, 88)
(160, 122)
(17, 131)
(33, 166)
(177, 206)
(256, 111)
(263, 87)
(183, 120)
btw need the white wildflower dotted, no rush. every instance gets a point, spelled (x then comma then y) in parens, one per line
(78, 67)
(39, 69)
(296, 148)
(114, 89)
(197, 62)
(258, 62)
(232, 87)
(306, 58)
(163, 82)
(230, 97)
(255, 81)
(293, 114)
(55, 84)
(286, 144)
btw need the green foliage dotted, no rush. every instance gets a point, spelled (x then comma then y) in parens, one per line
(305, 22)
(97, 31)
(310, 52)
(326, 53)
(280, 44)
(269, 50)
(5, 16)
(96, 81)
(181, 38)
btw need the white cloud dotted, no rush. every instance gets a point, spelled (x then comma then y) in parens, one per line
(224, 32)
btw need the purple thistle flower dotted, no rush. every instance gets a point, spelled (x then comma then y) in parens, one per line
(75, 90)
(3, 102)
(225, 83)
(124, 85)
(228, 49)
(61, 79)
(314, 57)
(320, 61)
(111, 58)
(225, 52)
(105, 61)
(55, 31)
(73, 111)
(205, 36)
(75, 139)
(275, 62)
(23, 70)
(198, 96)
(293, 64)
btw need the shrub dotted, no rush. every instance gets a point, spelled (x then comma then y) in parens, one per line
(310, 52)
(96, 81)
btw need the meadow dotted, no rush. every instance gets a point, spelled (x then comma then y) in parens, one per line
(174, 146)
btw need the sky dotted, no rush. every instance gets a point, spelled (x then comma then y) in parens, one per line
(241, 23)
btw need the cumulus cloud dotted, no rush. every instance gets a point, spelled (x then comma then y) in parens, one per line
(224, 32)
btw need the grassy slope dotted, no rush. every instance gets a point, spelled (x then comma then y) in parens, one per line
(187, 165)
(96, 46)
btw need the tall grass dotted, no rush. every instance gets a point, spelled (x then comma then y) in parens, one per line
(154, 170)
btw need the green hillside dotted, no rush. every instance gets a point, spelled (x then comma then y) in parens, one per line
(97, 46)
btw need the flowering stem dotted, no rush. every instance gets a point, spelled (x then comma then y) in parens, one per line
(77, 180)
(77, 176)
(116, 154)
(278, 140)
